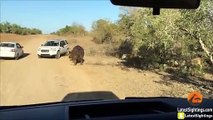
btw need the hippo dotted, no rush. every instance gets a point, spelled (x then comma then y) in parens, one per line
(77, 55)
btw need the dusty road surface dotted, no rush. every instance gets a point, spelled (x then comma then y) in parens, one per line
(32, 80)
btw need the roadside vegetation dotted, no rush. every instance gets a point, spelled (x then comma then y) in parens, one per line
(74, 30)
(180, 41)
(17, 29)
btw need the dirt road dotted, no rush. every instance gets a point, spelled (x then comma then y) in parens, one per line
(32, 80)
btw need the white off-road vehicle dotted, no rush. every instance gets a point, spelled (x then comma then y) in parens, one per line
(56, 48)
(11, 50)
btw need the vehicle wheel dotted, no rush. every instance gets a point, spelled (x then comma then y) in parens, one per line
(39, 56)
(68, 52)
(17, 57)
(22, 54)
(58, 55)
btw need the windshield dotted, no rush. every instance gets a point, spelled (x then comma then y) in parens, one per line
(113, 52)
(51, 43)
(7, 45)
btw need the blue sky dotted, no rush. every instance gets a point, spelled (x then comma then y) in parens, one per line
(51, 15)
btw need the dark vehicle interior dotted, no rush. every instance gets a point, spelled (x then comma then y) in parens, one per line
(159, 4)
(102, 108)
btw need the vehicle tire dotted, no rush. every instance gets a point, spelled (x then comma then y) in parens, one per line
(67, 52)
(22, 54)
(39, 56)
(57, 56)
(17, 57)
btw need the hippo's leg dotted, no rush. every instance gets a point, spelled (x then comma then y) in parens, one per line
(82, 61)
(75, 62)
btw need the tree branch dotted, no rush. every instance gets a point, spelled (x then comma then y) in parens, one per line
(205, 49)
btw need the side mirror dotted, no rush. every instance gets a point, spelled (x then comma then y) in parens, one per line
(42, 44)
(22, 47)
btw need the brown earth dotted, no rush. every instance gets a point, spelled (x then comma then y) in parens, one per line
(31, 80)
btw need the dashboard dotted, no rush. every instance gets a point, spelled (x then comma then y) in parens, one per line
(127, 109)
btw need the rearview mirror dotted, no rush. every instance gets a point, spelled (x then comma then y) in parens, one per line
(157, 4)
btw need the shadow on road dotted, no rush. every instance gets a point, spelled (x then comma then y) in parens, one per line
(24, 55)
(51, 57)
(204, 85)
(93, 95)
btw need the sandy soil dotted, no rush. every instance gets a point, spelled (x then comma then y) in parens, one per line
(32, 80)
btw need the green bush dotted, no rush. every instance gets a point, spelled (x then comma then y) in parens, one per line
(16, 29)
(170, 40)
(74, 30)
(103, 31)
(125, 48)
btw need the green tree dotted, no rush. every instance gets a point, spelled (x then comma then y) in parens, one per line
(105, 31)
(75, 30)
(197, 25)
(173, 39)
(17, 29)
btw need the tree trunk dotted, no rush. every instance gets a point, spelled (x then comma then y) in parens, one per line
(201, 43)
(206, 50)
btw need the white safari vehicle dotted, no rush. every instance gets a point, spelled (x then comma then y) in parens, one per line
(11, 50)
(54, 48)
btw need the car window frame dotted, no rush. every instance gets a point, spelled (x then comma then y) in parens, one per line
(18, 45)
(66, 41)
(62, 43)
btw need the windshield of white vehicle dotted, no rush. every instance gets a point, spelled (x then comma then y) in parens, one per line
(7, 45)
(113, 52)
(51, 43)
